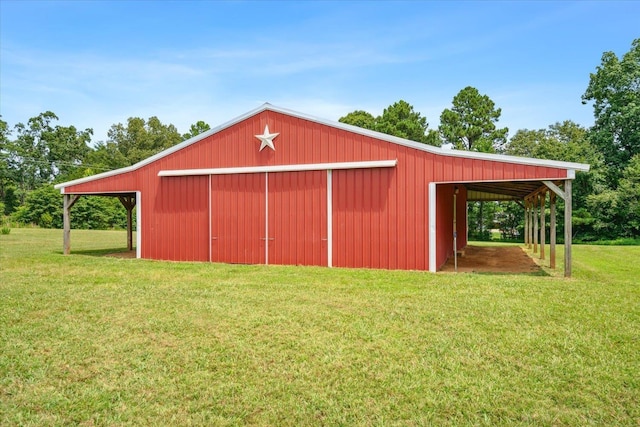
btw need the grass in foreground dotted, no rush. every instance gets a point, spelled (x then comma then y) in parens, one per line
(93, 340)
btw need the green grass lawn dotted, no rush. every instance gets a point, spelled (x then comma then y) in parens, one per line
(93, 340)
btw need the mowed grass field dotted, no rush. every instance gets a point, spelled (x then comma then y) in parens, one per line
(93, 340)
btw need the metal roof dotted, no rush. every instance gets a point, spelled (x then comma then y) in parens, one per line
(501, 191)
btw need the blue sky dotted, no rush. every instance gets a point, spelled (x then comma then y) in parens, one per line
(96, 63)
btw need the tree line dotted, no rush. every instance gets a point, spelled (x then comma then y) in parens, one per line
(40, 153)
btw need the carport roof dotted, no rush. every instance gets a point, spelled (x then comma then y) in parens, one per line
(502, 190)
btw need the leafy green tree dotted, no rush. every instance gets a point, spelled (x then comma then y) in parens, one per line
(5, 132)
(41, 151)
(68, 149)
(629, 197)
(615, 91)
(104, 157)
(5, 173)
(360, 118)
(42, 207)
(98, 213)
(508, 217)
(399, 119)
(196, 129)
(10, 200)
(471, 123)
(28, 152)
(138, 140)
(481, 218)
(607, 217)
(526, 143)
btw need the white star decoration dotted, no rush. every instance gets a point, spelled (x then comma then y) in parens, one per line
(267, 138)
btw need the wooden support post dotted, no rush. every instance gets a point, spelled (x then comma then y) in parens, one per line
(129, 230)
(129, 202)
(552, 230)
(526, 223)
(66, 225)
(68, 201)
(530, 228)
(543, 202)
(535, 224)
(568, 233)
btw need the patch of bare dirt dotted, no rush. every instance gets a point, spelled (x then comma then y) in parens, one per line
(493, 259)
(126, 254)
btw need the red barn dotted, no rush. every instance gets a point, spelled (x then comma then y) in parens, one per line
(278, 187)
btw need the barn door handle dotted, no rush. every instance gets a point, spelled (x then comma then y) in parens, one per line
(270, 238)
(214, 238)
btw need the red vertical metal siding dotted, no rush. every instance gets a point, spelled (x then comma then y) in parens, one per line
(358, 201)
(298, 218)
(444, 223)
(117, 183)
(370, 228)
(177, 220)
(238, 218)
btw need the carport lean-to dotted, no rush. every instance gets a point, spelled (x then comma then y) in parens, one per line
(532, 196)
(128, 200)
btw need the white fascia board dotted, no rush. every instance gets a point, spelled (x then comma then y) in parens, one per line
(517, 160)
(97, 193)
(282, 168)
(474, 181)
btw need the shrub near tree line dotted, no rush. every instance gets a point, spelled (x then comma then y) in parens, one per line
(43, 207)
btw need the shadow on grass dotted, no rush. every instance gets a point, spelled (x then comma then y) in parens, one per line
(114, 252)
(539, 273)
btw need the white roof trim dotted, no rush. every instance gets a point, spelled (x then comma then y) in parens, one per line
(338, 125)
(430, 148)
(282, 168)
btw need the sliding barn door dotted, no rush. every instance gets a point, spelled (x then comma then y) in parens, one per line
(298, 218)
(275, 218)
(238, 218)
